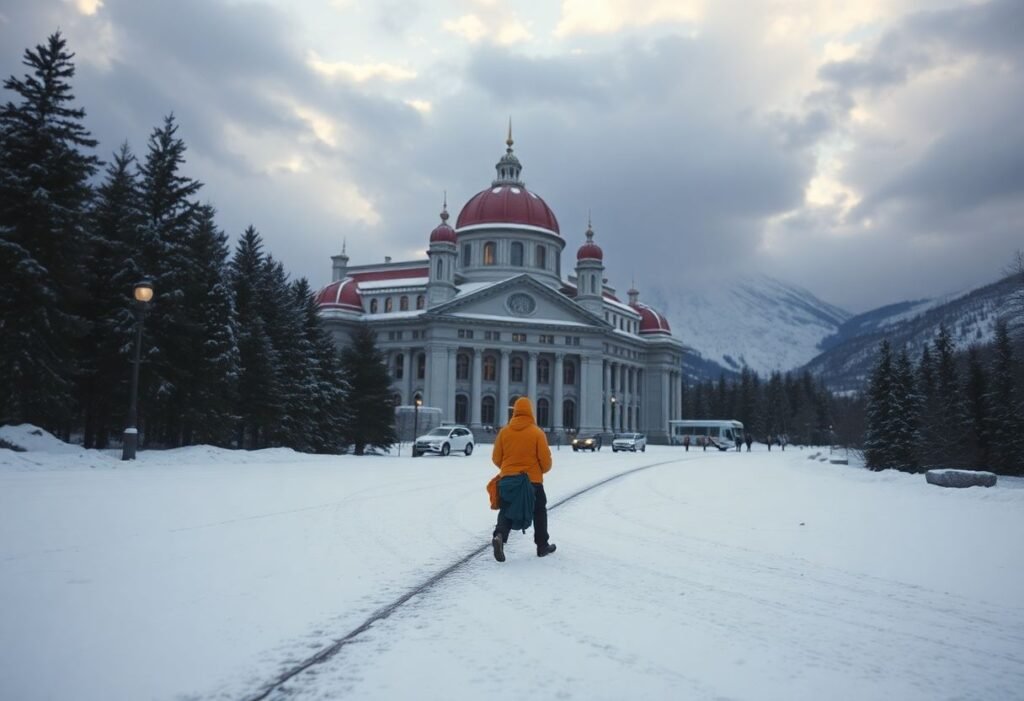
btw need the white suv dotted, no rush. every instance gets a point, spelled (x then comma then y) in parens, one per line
(629, 441)
(444, 440)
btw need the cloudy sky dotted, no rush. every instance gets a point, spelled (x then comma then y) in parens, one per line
(870, 151)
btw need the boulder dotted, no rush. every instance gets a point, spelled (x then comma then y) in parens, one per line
(960, 478)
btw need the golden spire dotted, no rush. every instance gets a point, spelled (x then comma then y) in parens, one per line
(508, 141)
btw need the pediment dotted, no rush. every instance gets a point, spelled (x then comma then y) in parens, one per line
(518, 299)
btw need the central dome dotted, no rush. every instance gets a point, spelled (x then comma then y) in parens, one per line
(507, 204)
(507, 201)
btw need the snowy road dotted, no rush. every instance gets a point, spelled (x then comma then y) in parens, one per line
(203, 574)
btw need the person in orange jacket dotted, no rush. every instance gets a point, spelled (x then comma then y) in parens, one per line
(521, 446)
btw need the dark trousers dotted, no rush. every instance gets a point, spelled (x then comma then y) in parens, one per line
(540, 518)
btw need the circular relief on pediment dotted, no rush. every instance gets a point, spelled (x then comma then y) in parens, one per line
(521, 304)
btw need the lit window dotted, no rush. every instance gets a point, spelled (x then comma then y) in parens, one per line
(389, 305)
(490, 256)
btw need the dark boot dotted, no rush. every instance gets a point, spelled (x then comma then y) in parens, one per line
(543, 550)
(499, 547)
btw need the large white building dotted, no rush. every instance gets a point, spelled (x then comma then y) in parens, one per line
(489, 317)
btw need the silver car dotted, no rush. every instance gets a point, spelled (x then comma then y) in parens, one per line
(629, 441)
(444, 440)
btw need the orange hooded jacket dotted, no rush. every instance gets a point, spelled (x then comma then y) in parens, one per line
(521, 446)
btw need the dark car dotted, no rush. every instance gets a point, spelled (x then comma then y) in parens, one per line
(587, 441)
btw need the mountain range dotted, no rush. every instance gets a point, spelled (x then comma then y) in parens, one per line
(768, 325)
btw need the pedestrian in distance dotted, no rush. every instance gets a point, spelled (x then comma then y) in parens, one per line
(522, 448)
(769, 442)
(750, 439)
(686, 442)
(704, 443)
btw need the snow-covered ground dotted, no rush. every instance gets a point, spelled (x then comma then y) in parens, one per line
(204, 574)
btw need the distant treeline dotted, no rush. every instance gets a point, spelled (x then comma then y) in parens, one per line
(796, 406)
(234, 353)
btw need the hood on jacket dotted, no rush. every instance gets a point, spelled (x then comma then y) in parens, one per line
(522, 414)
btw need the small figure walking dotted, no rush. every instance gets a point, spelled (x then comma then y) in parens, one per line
(750, 439)
(686, 442)
(769, 442)
(704, 443)
(522, 448)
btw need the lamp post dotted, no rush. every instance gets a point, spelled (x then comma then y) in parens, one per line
(613, 400)
(415, 425)
(143, 293)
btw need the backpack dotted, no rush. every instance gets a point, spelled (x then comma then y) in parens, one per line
(517, 500)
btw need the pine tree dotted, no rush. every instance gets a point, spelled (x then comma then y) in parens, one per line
(950, 433)
(169, 211)
(211, 385)
(882, 412)
(905, 436)
(44, 197)
(330, 415)
(370, 400)
(258, 403)
(115, 223)
(976, 393)
(1005, 423)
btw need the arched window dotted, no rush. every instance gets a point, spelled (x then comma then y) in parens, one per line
(541, 256)
(461, 409)
(543, 372)
(569, 414)
(420, 301)
(389, 304)
(399, 366)
(515, 370)
(543, 413)
(490, 368)
(517, 253)
(466, 250)
(421, 366)
(440, 268)
(487, 411)
(490, 253)
(569, 373)
(403, 304)
(462, 367)
(373, 306)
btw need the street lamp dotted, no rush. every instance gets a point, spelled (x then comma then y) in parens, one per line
(613, 400)
(415, 425)
(143, 294)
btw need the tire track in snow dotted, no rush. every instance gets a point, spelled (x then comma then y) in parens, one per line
(385, 611)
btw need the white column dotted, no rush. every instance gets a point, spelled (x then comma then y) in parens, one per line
(531, 378)
(428, 396)
(501, 411)
(450, 410)
(476, 394)
(556, 420)
(666, 383)
(407, 370)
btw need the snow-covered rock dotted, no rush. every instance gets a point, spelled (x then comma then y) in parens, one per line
(961, 478)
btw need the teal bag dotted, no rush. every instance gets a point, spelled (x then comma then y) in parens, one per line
(517, 500)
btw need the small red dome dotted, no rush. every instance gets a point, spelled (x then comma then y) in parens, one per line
(341, 294)
(443, 234)
(651, 322)
(507, 204)
(590, 250)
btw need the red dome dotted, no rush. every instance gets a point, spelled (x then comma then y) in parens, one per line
(651, 321)
(341, 294)
(443, 234)
(507, 204)
(590, 250)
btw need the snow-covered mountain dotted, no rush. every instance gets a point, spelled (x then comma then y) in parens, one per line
(758, 322)
(849, 355)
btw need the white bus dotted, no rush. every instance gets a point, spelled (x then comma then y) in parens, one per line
(722, 433)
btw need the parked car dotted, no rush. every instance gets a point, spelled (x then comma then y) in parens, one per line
(587, 441)
(629, 441)
(444, 440)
